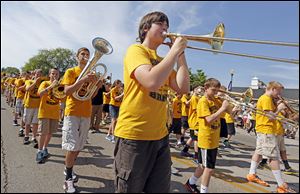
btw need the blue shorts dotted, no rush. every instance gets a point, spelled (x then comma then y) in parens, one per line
(114, 111)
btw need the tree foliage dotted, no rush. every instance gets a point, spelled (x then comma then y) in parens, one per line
(197, 79)
(59, 58)
(10, 70)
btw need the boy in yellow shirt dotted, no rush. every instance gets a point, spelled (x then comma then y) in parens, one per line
(266, 141)
(48, 114)
(31, 106)
(209, 112)
(142, 157)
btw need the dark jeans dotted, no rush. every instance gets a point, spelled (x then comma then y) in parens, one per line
(142, 166)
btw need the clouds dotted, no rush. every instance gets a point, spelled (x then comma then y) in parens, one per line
(27, 27)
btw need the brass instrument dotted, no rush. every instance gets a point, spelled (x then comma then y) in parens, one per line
(282, 119)
(216, 40)
(87, 89)
(246, 96)
(58, 90)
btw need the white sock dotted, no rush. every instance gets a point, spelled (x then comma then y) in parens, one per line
(39, 150)
(253, 167)
(193, 180)
(203, 189)
(278, 177)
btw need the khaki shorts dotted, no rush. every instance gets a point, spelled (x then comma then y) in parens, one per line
(75, 132)
(31, 116)
(280, 139)
(266, 145)
(47, 126)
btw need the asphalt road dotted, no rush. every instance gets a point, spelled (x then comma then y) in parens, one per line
(21, 174)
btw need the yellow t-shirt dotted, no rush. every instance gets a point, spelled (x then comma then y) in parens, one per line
(75, 107)
(263, 123)
(208, 134)
(114, 93)
(31, 98)
(193, 119)
(106, 98)
(176, 106)
(185, 107)
(279, 128)
(19, 83)
(49, 106)
(228, 117)
(143, 113)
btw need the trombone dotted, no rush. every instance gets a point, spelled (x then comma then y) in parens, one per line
(216, 40)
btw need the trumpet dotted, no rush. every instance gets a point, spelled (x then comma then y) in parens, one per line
(86, 91)
(216, 40)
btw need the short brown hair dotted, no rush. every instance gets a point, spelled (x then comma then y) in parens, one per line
(212, 82)
(148, 20)
(274, 84)
(82, 49)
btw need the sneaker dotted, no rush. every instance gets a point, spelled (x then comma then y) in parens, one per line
(191, 188)
(45, 153)
(69, 186)
(26, 141)
(21, 133)
(174, 170)
(113, 139)
(254, 178)
(15, 123)
(263, 165)
(289, 171)
(35, 143)
(284, 188)
(186, 154)
(196, 161)
(74, 176)
(103, 122)
(178, 145)
(226, 144)
(108, 137)
(39, 157)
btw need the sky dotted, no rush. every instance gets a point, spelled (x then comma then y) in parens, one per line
(27, 27)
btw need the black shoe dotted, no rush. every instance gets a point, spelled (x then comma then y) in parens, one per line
(21, 133)
(26, 141)
(15, 123)
(191, 188)
(35, 143)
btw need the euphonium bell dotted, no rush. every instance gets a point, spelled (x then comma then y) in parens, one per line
(87, 89)
(58, 90)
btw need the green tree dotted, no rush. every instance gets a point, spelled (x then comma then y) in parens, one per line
(10, 70)
(197, 79)
(59, 58)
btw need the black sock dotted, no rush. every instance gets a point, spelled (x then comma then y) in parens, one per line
(69, 173)
(186, 148)
(286, 164)
(264, 161)
(196, 156)
(182, 139)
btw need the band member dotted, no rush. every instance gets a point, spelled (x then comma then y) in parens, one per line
(266, 141)
(20, 100)
(116, 95)
(209, 112)
(77, 116)
(176, 120)
(142, 153)
(48, 114)
(31, 107)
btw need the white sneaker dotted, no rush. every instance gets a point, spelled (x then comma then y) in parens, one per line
(69, 186)
(74, 176)
(174, 170)
(103, 122)
(108, 137)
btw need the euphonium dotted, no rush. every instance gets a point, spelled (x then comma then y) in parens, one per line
(87, 89)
